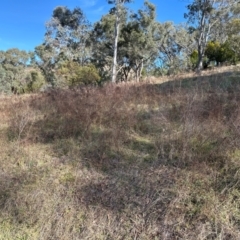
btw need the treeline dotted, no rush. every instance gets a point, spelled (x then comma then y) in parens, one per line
(123, 45)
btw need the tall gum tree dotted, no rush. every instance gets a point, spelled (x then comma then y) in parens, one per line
(14, 64)
(203, 15)
(117, 10)
(174, 46)
(65, 40)
(101, 38)
(233, 32)
(136, 43)
(67, 33)
(139, 36)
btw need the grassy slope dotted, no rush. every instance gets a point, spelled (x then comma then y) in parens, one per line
(146, 161)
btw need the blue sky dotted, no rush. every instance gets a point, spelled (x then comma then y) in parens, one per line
(22, 22)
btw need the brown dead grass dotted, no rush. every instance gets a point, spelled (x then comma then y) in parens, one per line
(127, 161)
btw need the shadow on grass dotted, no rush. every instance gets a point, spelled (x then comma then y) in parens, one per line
(226, 81)
(16, 183)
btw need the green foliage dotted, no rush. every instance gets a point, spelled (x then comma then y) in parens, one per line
(138, 40)
(233, 30)
(228, 53)
(205, 17)
(101, 38)
(5, 85)
(215, 52)
(68, 18)
(35, 80)
(194, 58)
(13, 66)
(174, 45)
(66, 38)
(219, 53)
(136, 43)
(75, 74)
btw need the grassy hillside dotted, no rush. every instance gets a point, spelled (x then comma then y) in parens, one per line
(133, 161)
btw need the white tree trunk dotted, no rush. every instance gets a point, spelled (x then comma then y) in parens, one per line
(200, 58)
(138, 72)
(115, 48)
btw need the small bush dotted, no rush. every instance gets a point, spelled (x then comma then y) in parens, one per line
(35, 81)
(74, 74)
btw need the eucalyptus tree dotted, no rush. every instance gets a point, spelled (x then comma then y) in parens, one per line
(46, 60)
(136, 42)
(204, 16)
(139, 40)
(66, 38)
(175, 46)
(4, 83)
(118, 11)
(13, 66)
(67, 32)
(233, 33)
(102, 37)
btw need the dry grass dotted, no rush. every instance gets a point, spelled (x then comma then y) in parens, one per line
(130, 161)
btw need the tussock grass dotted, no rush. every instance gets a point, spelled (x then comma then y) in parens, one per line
(127, 161)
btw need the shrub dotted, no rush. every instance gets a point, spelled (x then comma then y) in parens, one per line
(35, 81)
(74, 74)
(219, 53)
(194, 58)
